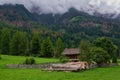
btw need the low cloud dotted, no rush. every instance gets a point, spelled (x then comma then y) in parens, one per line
(62, 6)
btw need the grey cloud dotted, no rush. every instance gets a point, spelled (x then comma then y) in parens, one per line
(62, 6)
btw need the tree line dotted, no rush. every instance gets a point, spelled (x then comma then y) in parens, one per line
(18, 44)
(101, 50)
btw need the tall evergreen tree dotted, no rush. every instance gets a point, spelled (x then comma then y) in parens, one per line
(47, 48)
(24, 43)
(84, 50)
(59, 47)
(5, 41)
(19, 43)
(35, 44)
(15, 43)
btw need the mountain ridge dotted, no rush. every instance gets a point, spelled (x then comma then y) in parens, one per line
(71, 26)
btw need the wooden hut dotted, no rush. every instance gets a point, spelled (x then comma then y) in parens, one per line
(72, 54)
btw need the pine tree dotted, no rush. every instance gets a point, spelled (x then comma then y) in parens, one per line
(24, 43)
(35, 44)
(19, 43)
(59, 47)
(5, 41)
(15, 42)
(84, 49)
(47, 48)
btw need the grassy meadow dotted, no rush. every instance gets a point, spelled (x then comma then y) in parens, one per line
(108, 73)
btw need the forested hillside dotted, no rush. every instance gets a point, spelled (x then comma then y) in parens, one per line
(71, 27)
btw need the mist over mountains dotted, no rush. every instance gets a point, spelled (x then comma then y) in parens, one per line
(68, 25)
(102, 7)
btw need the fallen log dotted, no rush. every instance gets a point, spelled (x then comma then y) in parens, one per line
(70, 66)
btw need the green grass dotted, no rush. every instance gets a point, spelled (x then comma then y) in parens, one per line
(6, 59)
(78, 18)
(109, 73)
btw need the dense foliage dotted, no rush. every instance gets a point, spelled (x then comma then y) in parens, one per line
(107, 45)
(100, 56)
(70, 27)
(102, 50)
(85, 50)
(59, 48)
(19, 43)
(5, 41)
(35, 44)
(29, 61)
(63, 59)
(47, 48)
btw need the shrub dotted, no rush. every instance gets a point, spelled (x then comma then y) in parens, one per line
(29, 61)
(0, 55)
(100, 56)
(114, 60)
(63, 59)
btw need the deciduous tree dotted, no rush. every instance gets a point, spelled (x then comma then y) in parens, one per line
(99, 55)
(107, 45)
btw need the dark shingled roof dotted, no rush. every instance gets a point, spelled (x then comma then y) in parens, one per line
(71, 51)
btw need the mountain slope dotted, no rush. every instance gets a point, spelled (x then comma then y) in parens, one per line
(16, 15)
(71, 26)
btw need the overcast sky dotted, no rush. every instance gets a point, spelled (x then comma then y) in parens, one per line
(62, 6)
